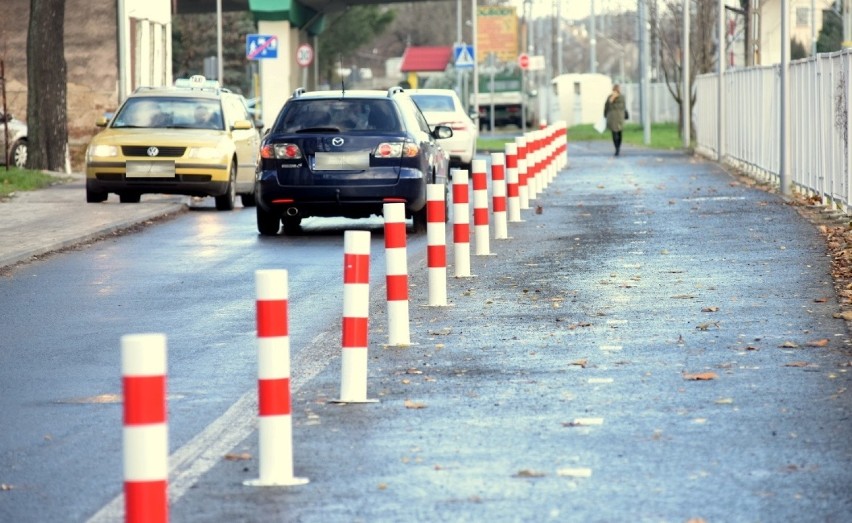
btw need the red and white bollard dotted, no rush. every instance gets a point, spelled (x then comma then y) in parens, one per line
(562, 147)
(146, 433)
(532, 164)
(461, 223)
(481, 232)
(498, 195)
(523, 183)
(356, 307)
(396, 263)
(512, 190)
(436, 243)
(275, 424)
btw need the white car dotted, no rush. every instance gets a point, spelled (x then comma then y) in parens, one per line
(443, 107)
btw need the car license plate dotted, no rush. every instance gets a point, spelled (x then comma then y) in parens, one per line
(357, 160)
(158, 169)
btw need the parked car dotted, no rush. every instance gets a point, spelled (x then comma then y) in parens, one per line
(193, 138)
(443, 107)
(17, 140)
(346, 153)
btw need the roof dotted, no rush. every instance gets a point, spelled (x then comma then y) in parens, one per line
(426, 59)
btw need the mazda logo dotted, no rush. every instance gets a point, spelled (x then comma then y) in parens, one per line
(337, 141)
(153, 151)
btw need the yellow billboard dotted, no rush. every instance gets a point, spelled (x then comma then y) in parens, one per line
(497, 32)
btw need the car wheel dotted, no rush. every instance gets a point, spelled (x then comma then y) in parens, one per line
(18, 154)
(129, 197)
(268, 223)
(248, 200)
(292, 225)
(419, 221)
(226, 201)
(95, 196)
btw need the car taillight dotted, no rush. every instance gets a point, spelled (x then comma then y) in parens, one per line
(281, 151)
(388, 150)
(410, 150)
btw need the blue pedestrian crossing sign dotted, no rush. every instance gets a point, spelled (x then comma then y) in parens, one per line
(463, 56)
(261, 46)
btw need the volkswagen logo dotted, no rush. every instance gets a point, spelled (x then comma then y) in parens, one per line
(337, 141)
(153, 151)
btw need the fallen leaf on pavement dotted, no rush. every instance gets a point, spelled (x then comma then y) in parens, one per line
(788, 345)
(700, 376)
(527, 473)
(820, 300)
(818, 343)
(245, 456)
(6, 486)
(683, 297)
(580, 363)
(797, 364)
(846, 315)
(710, 309)
(725, 401)
(414, 405)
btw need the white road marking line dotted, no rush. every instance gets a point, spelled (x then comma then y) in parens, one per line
(611, 348)
(600, 380)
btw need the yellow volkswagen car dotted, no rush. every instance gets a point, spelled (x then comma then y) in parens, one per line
(194, 138)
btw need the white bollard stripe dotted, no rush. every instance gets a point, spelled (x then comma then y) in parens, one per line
(141, 354)
(356, 242)
(356, 300)
(271, 284)
(396, 261)
(273, 358)
(146, 450)
(353, 384)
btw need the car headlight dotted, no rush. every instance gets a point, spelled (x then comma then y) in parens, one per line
(204, 153)
(102, 151)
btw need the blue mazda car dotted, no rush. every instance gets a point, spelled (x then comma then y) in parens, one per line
(347, 153)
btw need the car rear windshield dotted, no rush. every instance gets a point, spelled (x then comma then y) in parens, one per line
(336, 115)
(174, 113)
(434, 102)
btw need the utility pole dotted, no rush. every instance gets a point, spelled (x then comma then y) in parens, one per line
(686, 94)
(592, 43)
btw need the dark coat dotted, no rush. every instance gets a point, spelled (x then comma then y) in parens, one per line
(615, 112)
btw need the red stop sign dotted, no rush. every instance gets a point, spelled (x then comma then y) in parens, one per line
(524, 60)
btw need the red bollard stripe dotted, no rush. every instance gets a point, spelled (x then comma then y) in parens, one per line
(499, 204)
(146, 501)
(139, 395)
(436, 256)
(356, 268)
(394, 235)
(460, 193)
(271, 318)
(397, 287)
(480, 216)
(461, 233)
(354, 333)
(435, 211)
(273, 397)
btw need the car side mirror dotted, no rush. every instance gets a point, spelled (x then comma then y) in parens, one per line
(242, 125)
(442, 132)
(102, 121)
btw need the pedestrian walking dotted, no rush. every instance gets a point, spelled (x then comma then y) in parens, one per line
(615, 112)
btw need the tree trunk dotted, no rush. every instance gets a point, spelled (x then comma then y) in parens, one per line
(47, 115)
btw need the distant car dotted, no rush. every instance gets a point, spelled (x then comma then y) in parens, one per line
(443, 107)
(347, 153)
(17, 141)
(194, 138)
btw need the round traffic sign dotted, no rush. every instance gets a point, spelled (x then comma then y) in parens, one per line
(305, 55)
(524, 60)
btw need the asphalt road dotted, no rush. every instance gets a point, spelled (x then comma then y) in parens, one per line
(658, 344)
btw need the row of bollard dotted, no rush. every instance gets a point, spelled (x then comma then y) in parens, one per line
(519, 174)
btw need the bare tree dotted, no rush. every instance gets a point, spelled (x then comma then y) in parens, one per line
(667, 24)
(47, 114)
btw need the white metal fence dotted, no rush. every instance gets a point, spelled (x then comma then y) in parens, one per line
(819, 153)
